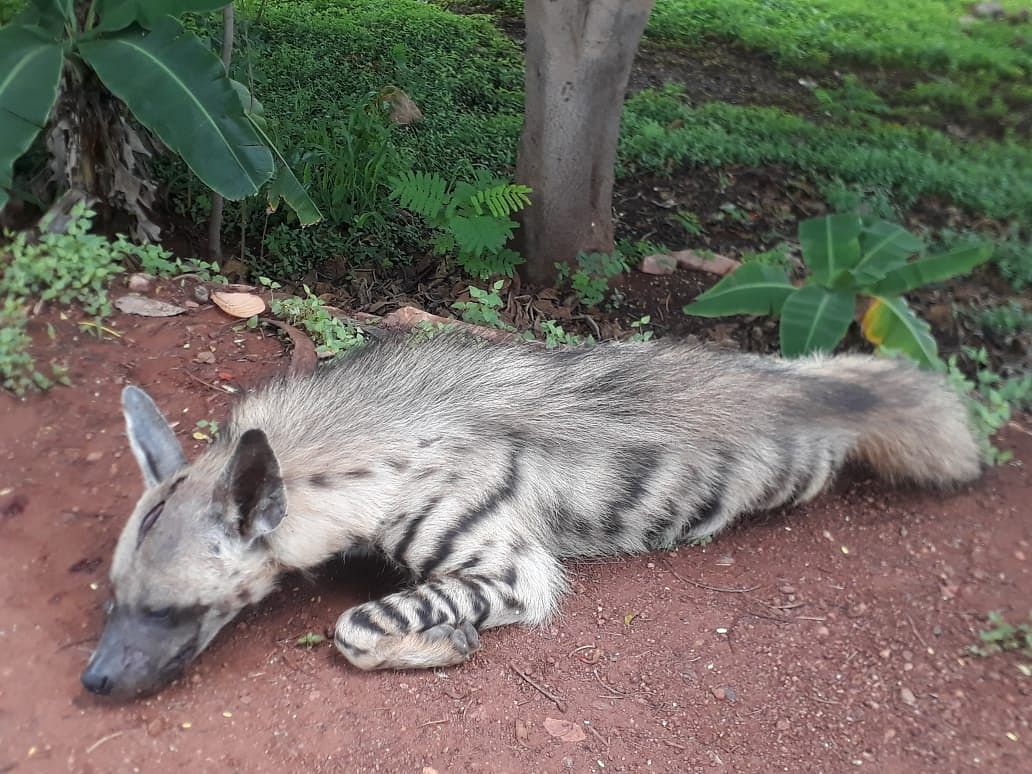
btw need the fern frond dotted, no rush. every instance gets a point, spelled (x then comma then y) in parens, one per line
(501, 200)
(478, 234)
(424, 193)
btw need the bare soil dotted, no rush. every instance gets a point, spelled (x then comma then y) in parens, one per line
(824, 638)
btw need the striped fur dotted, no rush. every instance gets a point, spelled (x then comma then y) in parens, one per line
(478, 468)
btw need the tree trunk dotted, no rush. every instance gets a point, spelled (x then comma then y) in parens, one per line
(578, 61)
(217, 202)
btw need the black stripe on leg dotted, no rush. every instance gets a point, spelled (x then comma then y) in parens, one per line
(479, 604)
(389, 611)
(428, 617)
(469, 520)
(411, 529)
(447, 600)
(361, 619)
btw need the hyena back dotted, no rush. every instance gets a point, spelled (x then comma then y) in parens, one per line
(478, 469)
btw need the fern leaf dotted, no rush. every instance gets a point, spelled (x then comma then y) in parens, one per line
(424, 193)
(501, 200)
(478, 234)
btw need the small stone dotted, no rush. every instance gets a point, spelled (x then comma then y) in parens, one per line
(658, 264)
(783, 725)
(94, 456)
(884, 652)
(205, 356)
(718, 693)
(201, 294)
(787, 589)
(857, 610)
(907, 696)
(823, 631)
(157, 727)
(141, 283)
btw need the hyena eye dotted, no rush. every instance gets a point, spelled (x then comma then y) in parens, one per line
(161, 614)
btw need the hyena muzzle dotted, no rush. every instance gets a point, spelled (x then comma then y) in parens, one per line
(478, 469)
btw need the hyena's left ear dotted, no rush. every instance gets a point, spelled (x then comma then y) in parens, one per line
(251, 488)
(154, 444)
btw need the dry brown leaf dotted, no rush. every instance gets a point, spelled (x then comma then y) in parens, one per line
(565, 730)
(242, 305)
(146, 307)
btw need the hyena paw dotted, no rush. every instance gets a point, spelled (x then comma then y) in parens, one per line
(464, 637)
(438, 646)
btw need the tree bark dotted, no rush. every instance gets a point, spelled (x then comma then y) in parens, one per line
(578, 62)
(217, 202)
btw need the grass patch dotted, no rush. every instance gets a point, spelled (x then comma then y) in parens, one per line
(661, 133)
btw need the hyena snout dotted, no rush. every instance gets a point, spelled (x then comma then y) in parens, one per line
(136, 657)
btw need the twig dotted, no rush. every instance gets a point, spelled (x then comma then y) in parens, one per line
(559, 703)
(722, 589)
(916, 632)
(434, 722)
(102, 740)
(217, 388)
(99, 327)
(73, 643)
(825, 701)
(597, 735)
(606, 685)
(675, 744)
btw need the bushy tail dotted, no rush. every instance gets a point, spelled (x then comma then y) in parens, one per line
(912, 427)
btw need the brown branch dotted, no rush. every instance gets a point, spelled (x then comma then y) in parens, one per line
(559, 703)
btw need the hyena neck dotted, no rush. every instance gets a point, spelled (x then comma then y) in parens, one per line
(330, 510)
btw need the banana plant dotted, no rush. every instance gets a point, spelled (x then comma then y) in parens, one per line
(851, 260)
(169, 80)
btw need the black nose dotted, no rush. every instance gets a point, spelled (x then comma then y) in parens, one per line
(95, 681)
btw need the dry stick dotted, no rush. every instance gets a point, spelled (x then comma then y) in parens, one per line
(721, 589)
(198, 379)
(605, 685)
(559, 703)
(102, 740)
(916, 632)
(433, 722)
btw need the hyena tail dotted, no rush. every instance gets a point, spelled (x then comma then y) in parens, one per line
(910, 425)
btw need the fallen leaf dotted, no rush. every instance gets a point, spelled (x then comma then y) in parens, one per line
(146, 307)
(564, 730)
(522, 733)
(241, 305)
(303, 360)
(628, 618)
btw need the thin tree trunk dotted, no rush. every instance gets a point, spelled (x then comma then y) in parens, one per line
(578, 62)
(217, 203)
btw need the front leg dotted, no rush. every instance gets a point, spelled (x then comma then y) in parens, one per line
(436, 623)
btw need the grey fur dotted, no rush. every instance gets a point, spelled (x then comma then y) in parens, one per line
(479, 468)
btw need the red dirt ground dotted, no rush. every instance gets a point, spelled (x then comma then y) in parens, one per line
(826, 638)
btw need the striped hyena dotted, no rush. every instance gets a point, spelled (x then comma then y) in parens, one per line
(478, 469)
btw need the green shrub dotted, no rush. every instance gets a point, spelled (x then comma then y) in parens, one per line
(590, 279)
(847, 256)
(471, 219)
(484, 308)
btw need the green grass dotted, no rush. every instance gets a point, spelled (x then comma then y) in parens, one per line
(923, 34)
(661, 133)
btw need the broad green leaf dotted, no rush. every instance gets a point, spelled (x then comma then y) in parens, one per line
(889, 324)
(831, 245)
(285, 184)
(815, 320)
(935, 268)
(176, 87)
(753, 288)
(883, 246)
(119, 14)
(30, 74)
(55, 17)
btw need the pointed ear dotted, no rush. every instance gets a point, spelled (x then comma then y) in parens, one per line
(154, 444)
(251, 487)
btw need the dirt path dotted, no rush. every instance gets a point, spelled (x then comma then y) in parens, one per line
(827, 638)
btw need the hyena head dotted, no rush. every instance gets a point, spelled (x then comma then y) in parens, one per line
(191, 556)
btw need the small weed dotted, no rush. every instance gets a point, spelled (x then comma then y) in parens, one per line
(777, 256)
(689, 221)
(634, 251)
(332, 336)
(206, 430)
(1003, 637)
(18, 371)
(310, 640)
(641, 330)
(484, 308)
(590, 280)
(556, 336)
